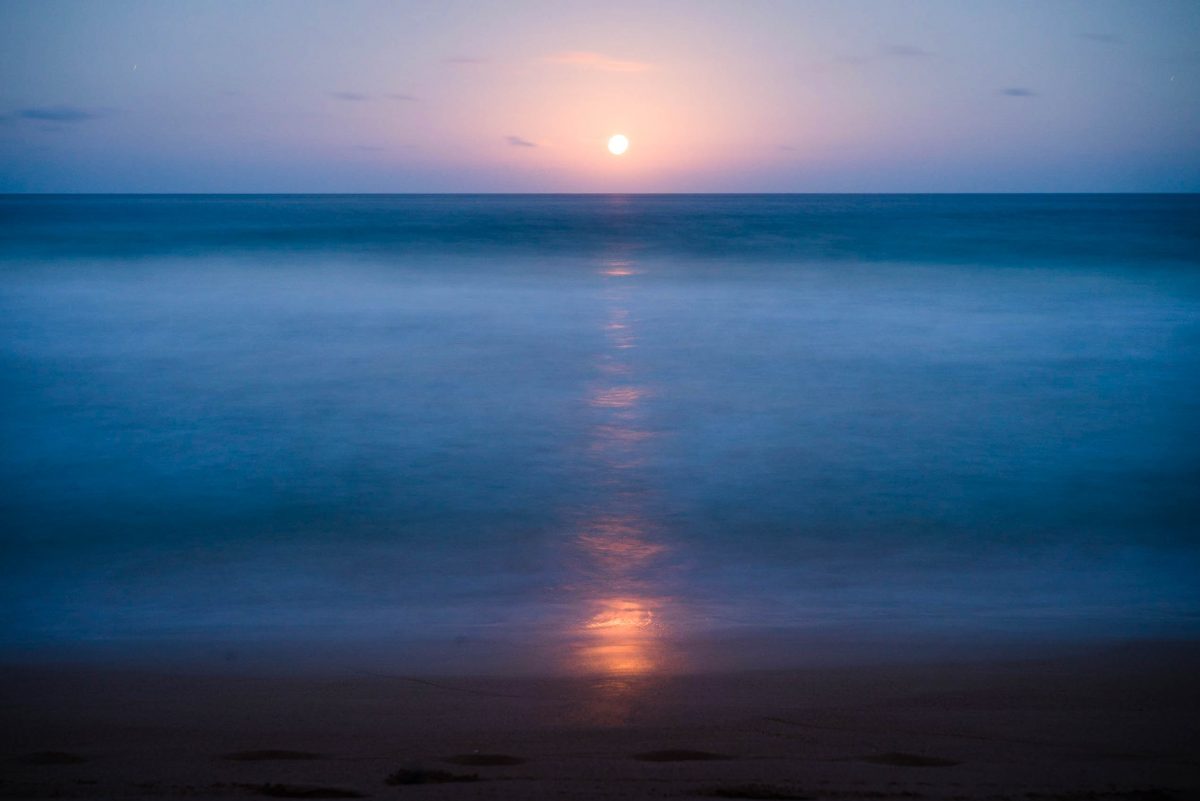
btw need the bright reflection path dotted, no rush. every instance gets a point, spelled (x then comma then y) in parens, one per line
(621, 638)
(620, 616)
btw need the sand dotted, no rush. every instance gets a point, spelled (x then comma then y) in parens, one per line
(1117, 723)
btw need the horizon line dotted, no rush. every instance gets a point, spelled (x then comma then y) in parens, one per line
(584, 194)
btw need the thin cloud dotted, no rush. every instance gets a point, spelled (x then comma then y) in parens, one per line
(596, 61)
(402, 96)
(1102, 38)
(885, 53)
(905, 51)
(851, 61)
(61, 113)
(350, 97)
(1018, 91)
(517, 141)
(466, 60)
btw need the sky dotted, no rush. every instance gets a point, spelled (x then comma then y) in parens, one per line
(355, 96)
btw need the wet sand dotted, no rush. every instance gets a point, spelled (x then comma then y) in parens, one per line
(1116, 723)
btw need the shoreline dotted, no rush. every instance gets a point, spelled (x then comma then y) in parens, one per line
(1117, 723)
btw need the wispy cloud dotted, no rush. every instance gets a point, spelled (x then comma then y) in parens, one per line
(517, 141)
(883, 54)
(1017, 91)
(904, 51)
(359, 97)
(848, 60)
(61, 113)
(596, 61)
(1102, 38)
(466, 60)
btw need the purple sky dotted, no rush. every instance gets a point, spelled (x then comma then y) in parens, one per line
(295, 96)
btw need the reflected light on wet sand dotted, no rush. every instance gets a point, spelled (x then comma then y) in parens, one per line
(621, 639)
(618, 628)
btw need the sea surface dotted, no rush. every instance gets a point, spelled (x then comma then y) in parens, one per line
(610, 435)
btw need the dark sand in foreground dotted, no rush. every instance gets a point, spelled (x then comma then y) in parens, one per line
(1115, 724)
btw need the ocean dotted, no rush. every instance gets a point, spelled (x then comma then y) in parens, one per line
(596, 434)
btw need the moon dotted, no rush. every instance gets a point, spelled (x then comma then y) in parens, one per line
(618, 144)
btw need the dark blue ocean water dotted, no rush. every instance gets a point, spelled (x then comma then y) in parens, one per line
(595, 433)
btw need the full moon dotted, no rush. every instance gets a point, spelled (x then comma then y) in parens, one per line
(618, 144)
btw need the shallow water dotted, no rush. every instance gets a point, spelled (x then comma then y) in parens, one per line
(585, 433)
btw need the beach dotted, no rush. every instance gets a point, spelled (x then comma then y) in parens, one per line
(600, 400)
(1112, 723)
(600, 496)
